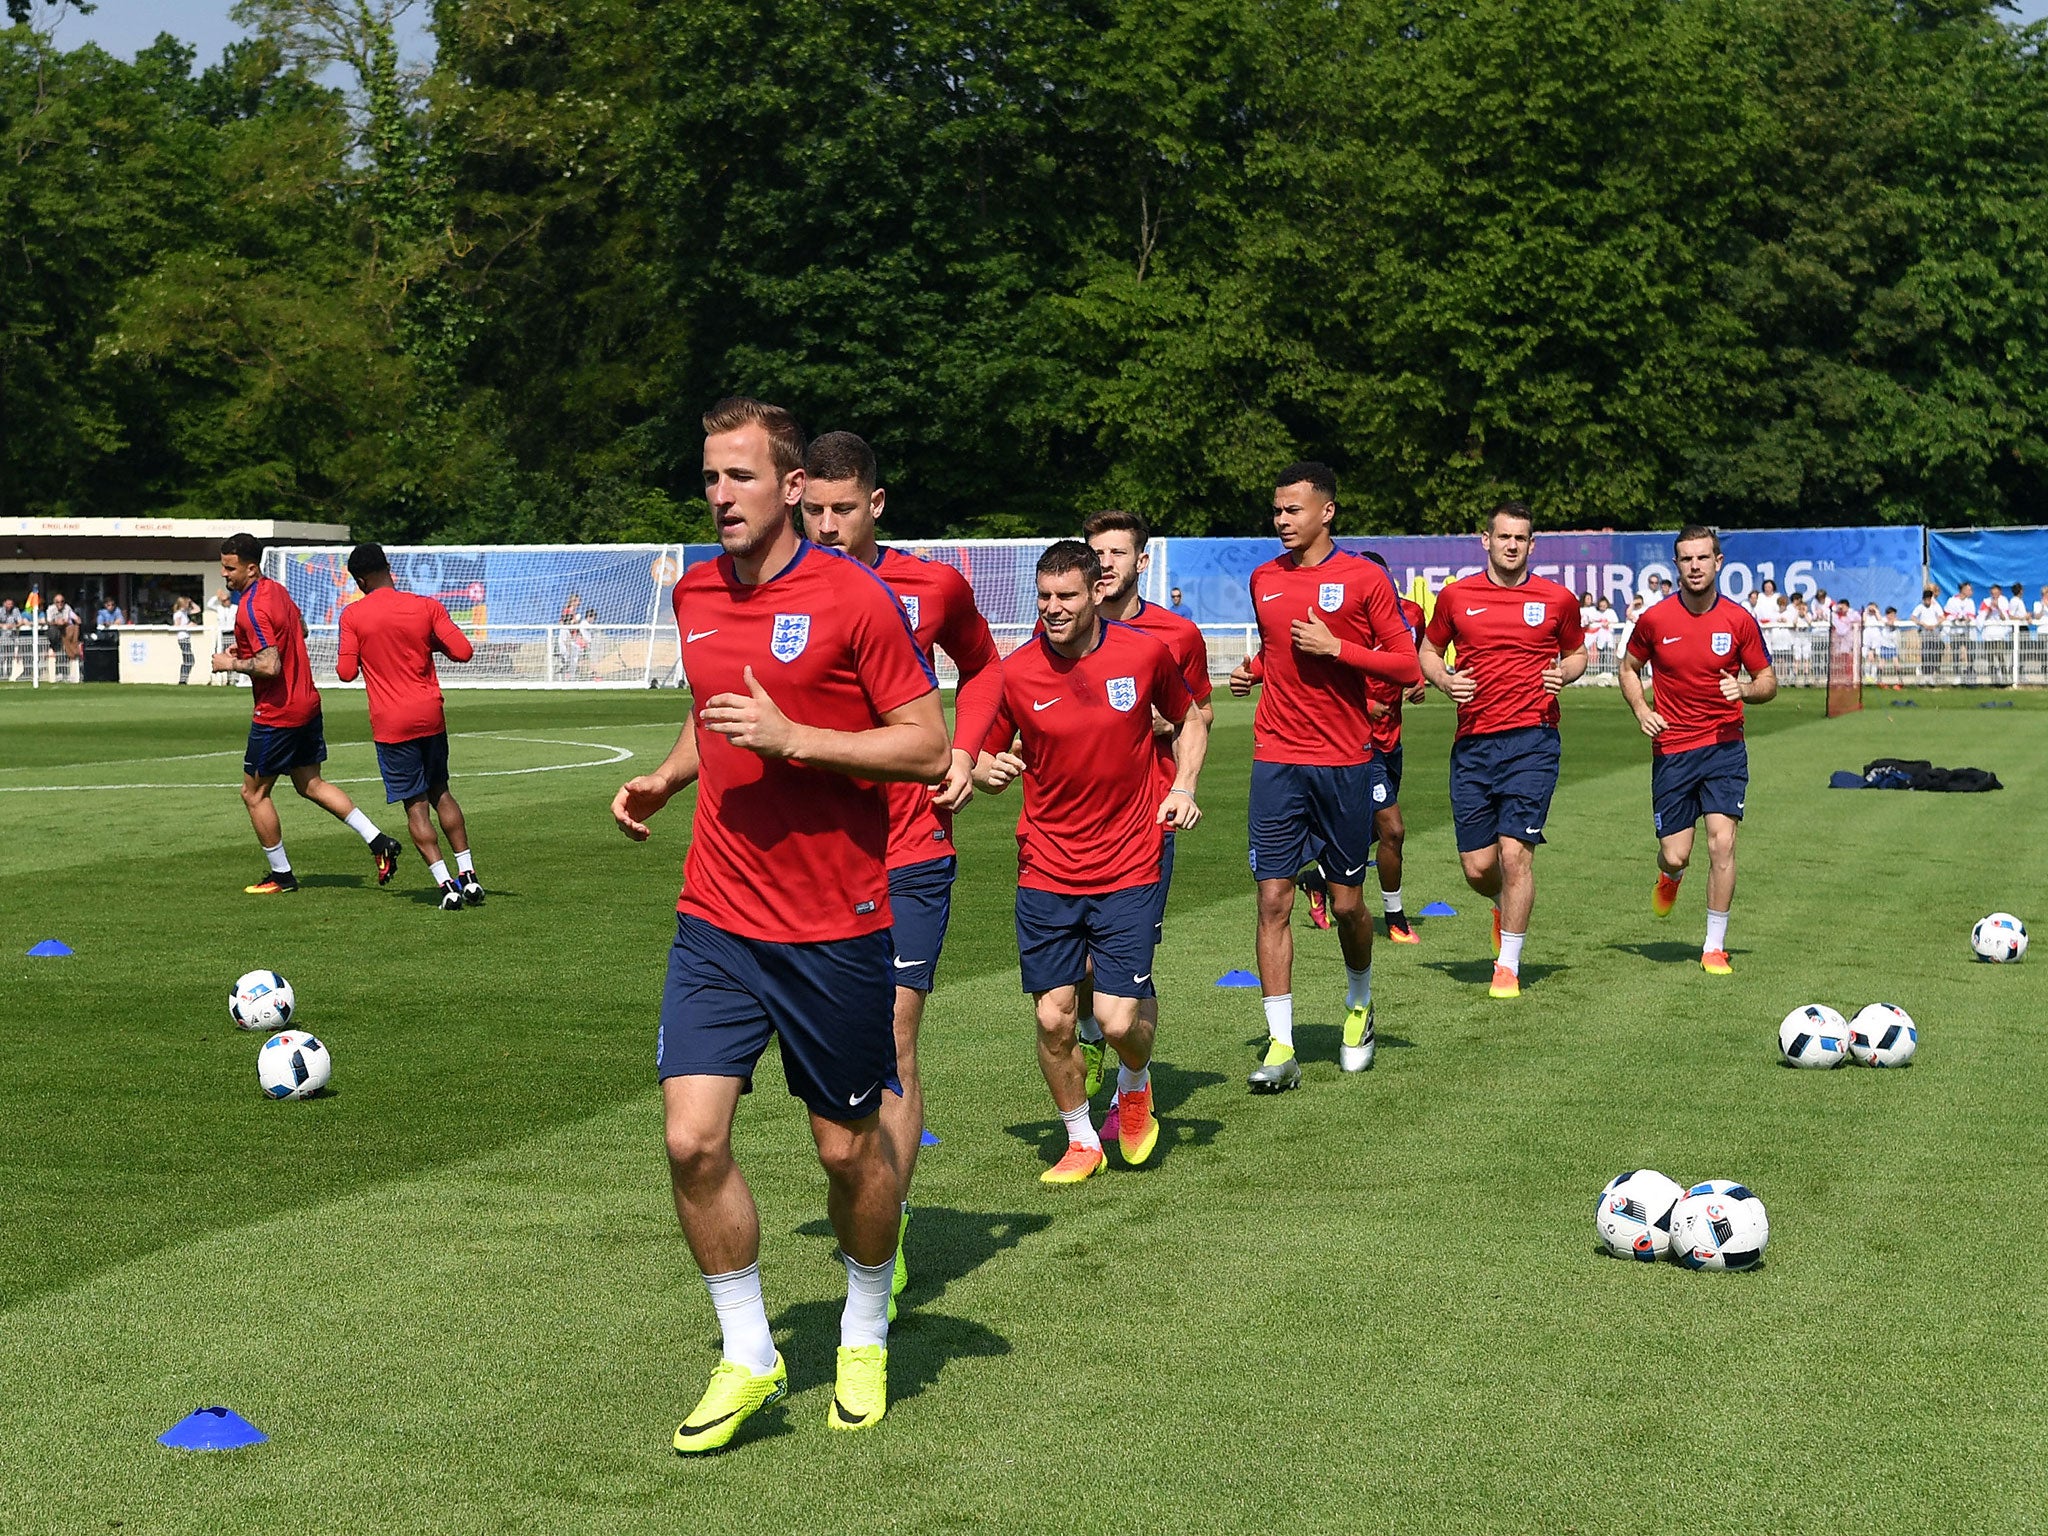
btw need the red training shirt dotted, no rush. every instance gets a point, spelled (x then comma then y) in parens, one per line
(780, 851)
(1689, 653)
(266, 616)
(1183, 640)
(1312, 708)
(1505, 637)
(1386, 728)
(939, 604)
(390, 637)
(1090, 821)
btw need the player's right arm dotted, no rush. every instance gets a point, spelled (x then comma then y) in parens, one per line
(639, 798)
(1429, 655)
(1631, 676)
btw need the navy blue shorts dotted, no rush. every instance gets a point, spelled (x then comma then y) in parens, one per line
(1707, 781)
(920, 904)
(1391, 762)
(1501, 785)
(1057, 935)
(278, 749)
(1165, 886)
(413, 768)
(1303, 813)
(830, 1006)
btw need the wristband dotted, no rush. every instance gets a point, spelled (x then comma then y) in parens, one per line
(1177, 790)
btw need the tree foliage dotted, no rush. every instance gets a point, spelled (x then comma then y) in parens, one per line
(1755, 261)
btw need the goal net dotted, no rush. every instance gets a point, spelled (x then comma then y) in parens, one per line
(1845, 666)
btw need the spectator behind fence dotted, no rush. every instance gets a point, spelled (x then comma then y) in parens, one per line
(181, 622)
(2041, 610)
(13, 625)
(1177, 605)
(60, 627)
(109, 615)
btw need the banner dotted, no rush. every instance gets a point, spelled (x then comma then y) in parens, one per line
(1984, 556)
(1864, 565)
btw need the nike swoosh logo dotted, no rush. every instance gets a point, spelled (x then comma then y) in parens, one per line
(1048, 704)
(1469, 612)
(699, 1428)
(908, 965)
(1534, 831)
(1267, 597)
(856, 1098)
(1354, 870)
(1146, 977)
(1671, 640)
(699, 634)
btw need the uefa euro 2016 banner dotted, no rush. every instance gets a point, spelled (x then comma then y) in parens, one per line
(1864, 565)
(1985, 557)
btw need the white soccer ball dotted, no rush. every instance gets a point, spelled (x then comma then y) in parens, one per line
(1999, 937)
(261, 1000)
(1882, 1035)
(293, 1065)
(1814, 1035)
(1633, 1214)
(1719, 1225)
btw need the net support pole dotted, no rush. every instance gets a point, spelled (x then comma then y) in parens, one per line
(35, 660)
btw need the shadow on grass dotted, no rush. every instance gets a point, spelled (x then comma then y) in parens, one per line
(1666, 951)
(1319, 1042)
(1481, 971)
(315, 881)
(1171, 1088)
(424, 897)
(943, 1245)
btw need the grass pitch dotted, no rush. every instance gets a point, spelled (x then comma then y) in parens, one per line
(453, 1293)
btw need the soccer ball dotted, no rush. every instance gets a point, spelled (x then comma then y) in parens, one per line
(1999, 937)
(1633, 1214)
(261, 1000)
(1814, 1035)
(1882, 1035)
(1719, 1225)
(293, 1065)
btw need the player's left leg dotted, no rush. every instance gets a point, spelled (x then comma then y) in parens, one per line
(1342, 812)
(1122, 941)
(831, 1005)
(921, 907)
(269, 831)
(1392, 833)
(1525, 779)
(1724, 793)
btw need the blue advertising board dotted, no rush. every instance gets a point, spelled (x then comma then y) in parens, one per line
(1987, 556)
(1864, 565)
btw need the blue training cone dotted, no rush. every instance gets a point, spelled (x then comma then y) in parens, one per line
(50, 947)
(1237, 979)
(1439, 909)
(928, 1139)
(211, 1429)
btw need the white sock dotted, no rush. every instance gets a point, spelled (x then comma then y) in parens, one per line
(439, 870)
(1280, 1018)
(365, 828)
(743, 1319)
(1080, 1129)
(1128, 1081)
(279, 864)
(1357, 987)
(466, 862)
(1091, 1029)
(866, 1318)
(1717, 931)
(1511, 950)
(1391, 900)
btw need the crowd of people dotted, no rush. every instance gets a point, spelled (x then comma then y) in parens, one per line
(1941, 635)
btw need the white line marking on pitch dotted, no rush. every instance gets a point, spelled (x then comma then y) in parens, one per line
(619, 755)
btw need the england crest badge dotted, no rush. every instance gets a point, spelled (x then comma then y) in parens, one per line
(910, 610)
(1330, 597)
(1123, 693)
(1723, 644)
(1532, 614)
(792, 634)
